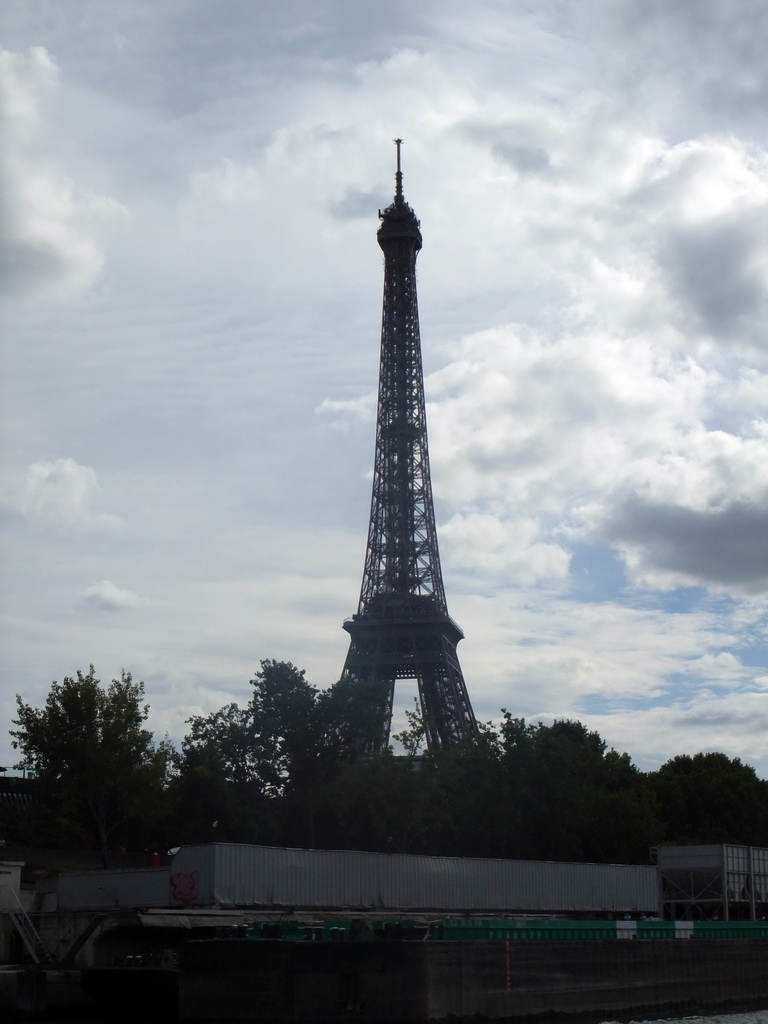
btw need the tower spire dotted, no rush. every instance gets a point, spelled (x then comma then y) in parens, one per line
(398, 174)
(402, 629)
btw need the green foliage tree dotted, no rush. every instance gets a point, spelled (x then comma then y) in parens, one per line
(281, 769)
(569, 797)
(384, 803)
(208, 802)
(414, 737)
(467, 799)
(277, 752)
(711, 798)
(101, 777)
(288, 724)
(229, 738)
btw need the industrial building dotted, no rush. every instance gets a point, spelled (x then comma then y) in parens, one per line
(89, 916)
(267, 878)
(716, 882)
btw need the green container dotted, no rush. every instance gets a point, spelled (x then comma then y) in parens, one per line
(730, 929)
(576, 930)
(286, 929)
(656, 929)
(505, 929)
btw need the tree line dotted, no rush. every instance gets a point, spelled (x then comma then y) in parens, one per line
(279, 771)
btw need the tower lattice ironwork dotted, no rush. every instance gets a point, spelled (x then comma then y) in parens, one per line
(402, 629)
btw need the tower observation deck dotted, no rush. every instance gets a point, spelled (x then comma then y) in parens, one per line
(402, 629)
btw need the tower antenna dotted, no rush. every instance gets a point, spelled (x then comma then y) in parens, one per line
(399, 173)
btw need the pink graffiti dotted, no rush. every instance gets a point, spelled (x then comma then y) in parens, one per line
(184, 886)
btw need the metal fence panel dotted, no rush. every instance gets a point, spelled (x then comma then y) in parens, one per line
(229, 875)
(260, 876)
(108, 890)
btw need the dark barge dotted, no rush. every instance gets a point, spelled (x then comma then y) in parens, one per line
(494, 980)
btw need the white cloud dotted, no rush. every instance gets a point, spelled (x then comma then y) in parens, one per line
(62, 494)
(106, 594)
(734, 724)
(579, 433)
(593, 296)
(49, 229)
(504, 550)
(344, 414)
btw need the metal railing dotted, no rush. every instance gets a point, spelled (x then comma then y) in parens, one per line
(11, 904)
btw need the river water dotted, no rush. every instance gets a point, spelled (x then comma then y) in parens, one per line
(755, 1017)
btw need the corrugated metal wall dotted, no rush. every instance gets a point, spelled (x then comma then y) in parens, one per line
(128, 887)
(262, 876)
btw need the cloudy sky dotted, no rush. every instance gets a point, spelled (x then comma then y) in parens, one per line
(190, 292)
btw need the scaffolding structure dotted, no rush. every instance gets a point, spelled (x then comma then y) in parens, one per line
(715, 882)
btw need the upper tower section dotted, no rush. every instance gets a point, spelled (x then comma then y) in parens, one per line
(398, 222)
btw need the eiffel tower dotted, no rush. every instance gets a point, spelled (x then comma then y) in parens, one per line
(402, 629)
